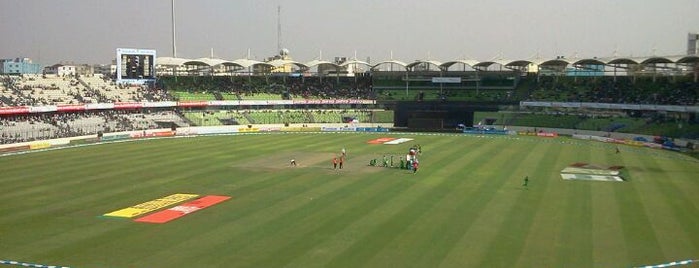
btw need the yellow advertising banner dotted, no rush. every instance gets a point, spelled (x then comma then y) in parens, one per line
(149, 206)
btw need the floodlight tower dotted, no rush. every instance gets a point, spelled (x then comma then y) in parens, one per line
(279, 28)
(174, 42)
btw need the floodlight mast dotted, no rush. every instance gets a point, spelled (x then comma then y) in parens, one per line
(279, 28)
(174, 42)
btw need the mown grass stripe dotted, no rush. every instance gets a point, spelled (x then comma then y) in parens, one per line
(275, 224)
(510, 238)
(489, 204)
(675, 213)
(474, 211)
(324, 252)
(639, 237)
(313, 228)
(310, 221)
(607, 236)
(333, 226)
(446, 230)
(575, 245)
(543, 238)
(289, 189)
(369, 250)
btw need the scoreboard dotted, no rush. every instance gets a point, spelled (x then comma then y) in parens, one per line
(135, 65)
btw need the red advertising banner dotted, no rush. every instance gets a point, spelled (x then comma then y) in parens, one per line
(164, 134)
(184, 209)
(14, 110)
(192, 104)
(128, 105)
(71, 108)
(339, 101)
(145, 134)
(547, 134)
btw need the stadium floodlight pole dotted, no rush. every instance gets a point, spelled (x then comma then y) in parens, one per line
(174, 42)
(279, 28)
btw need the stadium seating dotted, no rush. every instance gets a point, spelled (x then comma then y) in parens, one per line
(192, 96)
(216, 118)
(110, 91)
(37, 90)
(41, 90)
(16, 129)
(641, 90)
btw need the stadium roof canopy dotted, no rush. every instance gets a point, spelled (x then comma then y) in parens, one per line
(396, 62)
(688, 59)
(519, 63)
(350, 62)
(205, 62)
(469, 63)
(281, 62)
(429, 62)
(169, 61)
(593, 61)
(320, 62)
(557, 62)
(486, 64)
(244, 63)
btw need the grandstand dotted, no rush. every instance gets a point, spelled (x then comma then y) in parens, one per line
(37, 90)
(15, 129)
(109, 91)
(57, 125)
(294, 116)
(500, 85)
(217, 118)
(5, 95)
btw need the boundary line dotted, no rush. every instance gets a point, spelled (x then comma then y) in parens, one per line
(26, 264)
(669, 264)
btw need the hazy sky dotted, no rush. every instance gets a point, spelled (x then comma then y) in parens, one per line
(89, 31)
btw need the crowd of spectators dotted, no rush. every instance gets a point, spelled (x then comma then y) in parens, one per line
(348, 88)
(42, 90)
(21, 128)
(17, 91)
(24, 128)
(284, 87)
(627, 90)
(31, 91)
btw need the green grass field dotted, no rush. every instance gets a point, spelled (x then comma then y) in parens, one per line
(465, 207)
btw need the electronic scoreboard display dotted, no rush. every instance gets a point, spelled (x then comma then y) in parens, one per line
(135, 65)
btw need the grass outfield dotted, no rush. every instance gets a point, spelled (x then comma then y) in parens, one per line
(465, 207)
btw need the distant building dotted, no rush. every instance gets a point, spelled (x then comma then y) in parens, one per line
(108, 70)
(69, 69)
(84, 69)
(60, 70)
(692, 44)
(19, 66)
